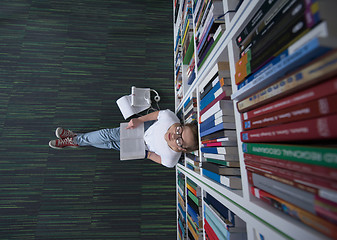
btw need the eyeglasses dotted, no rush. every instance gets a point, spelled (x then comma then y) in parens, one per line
(179, 140)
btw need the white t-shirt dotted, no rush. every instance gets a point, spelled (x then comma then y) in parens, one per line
(155, 141)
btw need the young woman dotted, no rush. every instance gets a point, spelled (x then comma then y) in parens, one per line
(165, 138)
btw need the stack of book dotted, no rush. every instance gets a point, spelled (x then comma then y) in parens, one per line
(181, 205)
(178, 65)
(287, 99)
(194, 208)
(193, 162)
(209, 27)
(220, 222)
(217, 128)
(190, 109)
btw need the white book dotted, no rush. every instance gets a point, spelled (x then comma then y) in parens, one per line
(225, 106)
(224, 157)
(132, 145)
(223, 71)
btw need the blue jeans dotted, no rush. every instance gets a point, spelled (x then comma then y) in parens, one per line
(108, 138)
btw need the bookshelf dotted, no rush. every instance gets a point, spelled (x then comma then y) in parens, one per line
(255, 219)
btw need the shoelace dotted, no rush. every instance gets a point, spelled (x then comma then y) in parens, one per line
(65, 142)
(66, 133)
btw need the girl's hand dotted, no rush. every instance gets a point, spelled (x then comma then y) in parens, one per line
(133, 123)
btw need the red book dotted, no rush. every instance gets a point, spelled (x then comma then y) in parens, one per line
(316, 108)
(324, 172)
(313, 129)
(222, 96)
(307, 218)
(320, 90)
(210, 232)
(316, 185)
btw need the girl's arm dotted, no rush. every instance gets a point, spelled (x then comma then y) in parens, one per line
(133, 123)
(154, 157)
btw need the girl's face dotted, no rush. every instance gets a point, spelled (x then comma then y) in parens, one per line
(179, 137)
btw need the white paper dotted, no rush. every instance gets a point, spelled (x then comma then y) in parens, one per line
(124, 104)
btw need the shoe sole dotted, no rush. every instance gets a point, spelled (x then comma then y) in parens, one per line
(59, 148)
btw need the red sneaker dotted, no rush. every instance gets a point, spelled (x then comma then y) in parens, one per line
(64, 133)
(62, 143)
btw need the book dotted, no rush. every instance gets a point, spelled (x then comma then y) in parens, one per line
(312, 73)
(319, 186)
(318, 107)
(287, 26)
(323, 172)
(222, 96)
(215, 120)
(219, 68)
(225, 106)
(233, 182)
(321, 128)
(224, 157)
(222, 230)
(218, 127)
(255, 20)
(293, 195)
(209, 231)
(220, 150)
(224, 163)
(231, 134)
(221, 169)
(314, 48)
(220, 144)
(217, 89)
(132, 137)
(296, 212)
(310, 154)
(223, 211)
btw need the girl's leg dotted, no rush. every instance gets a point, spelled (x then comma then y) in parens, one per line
(104, 138)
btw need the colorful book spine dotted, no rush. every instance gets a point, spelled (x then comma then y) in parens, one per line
(323, 172)
(321, 156)
(312, 109)
(294, 211)
(303, 55)
(322, 128)
(233, 182)
(314, 72)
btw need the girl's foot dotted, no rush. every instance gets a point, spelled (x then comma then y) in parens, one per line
(62, 143)
(64, 133)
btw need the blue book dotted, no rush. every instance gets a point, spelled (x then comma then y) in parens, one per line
(220, 208)
(216, 128)
(209, 97)
(182, 211)
(206, 125)
(228, 181)
(211, 175)
(303, 55)
(193, 214)
(221, 150)
(182, 227)
(217, 225)
(191, 78)
(208, 121)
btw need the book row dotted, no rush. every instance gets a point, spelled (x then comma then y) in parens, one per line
(286, 78)
(201, 215)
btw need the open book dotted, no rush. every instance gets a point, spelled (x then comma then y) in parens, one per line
(132, 145)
